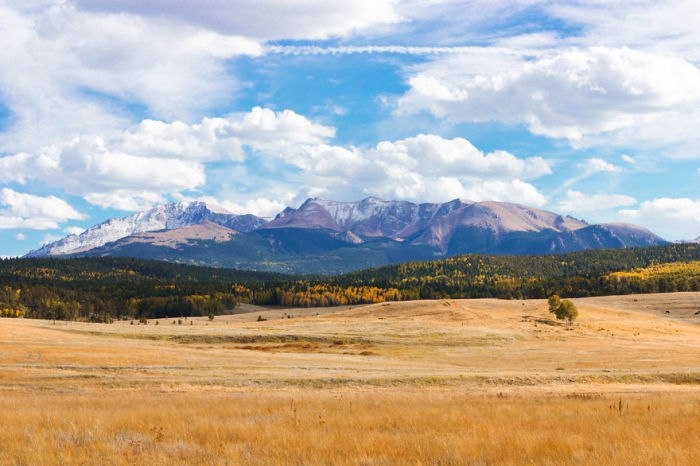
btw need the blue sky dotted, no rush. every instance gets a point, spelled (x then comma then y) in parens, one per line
(586, 108)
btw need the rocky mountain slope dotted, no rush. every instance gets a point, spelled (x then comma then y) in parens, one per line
(329, 236)
(163, 217)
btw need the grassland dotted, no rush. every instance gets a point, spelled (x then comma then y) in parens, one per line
(440, 382)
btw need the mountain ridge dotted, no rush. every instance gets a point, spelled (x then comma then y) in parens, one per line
(371, 231)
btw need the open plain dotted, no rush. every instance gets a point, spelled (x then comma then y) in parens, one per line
(429, 382)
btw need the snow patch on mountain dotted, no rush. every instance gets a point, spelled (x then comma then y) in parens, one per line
(460, 223)
(163, 217)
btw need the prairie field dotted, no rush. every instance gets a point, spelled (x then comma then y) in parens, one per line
(474, 382)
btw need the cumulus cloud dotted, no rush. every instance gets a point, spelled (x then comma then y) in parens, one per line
(221, 138)
(672, 218)
(262, 125)
(21, 210)
(516, 191)
(566, 94)
(264, 19)
(579, 202)
(88, 168)
(23, 166)
(261, 206)
(262, 153)
(145, 164)
(421, 168)
(72, 72)
(431, 168)
(433, 154)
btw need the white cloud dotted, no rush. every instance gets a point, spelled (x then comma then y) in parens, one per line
(628, 159)
(73, 230)
(263, 207)
(587, 169)
(132, 169)
(124, 170)
(20, 237)
(567, 94)
(577, 202)
(671, 135)
(89, 165)
(516, 191)
(672, 218)
(21, 210)
(23, 166)
(222, 138)
(633, 22)
(424, 168)
(596, 165)
(124, 199)
(70, 72)
(354, 49)
(668, 26)
(262, 126)
(201, 141)
(431, 154)
(49, 238)
(264, 19)
(431, 168)
(421, 168)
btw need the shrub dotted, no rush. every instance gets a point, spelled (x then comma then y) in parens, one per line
(563, 309)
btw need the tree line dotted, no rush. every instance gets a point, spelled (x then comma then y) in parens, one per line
(102, 289)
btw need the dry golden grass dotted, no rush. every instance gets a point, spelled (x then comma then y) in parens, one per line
(442, 382)
(348, 427)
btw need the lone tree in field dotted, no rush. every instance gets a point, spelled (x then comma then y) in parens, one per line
(563, 309)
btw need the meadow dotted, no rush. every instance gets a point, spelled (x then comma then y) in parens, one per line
(425, 382)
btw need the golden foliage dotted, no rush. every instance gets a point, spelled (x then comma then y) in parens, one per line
(673, 269)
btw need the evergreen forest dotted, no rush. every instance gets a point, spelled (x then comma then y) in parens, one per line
(107, 288)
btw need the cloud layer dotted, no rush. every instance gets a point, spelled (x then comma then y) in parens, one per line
(144, 164)
(120, 104)
(569, 94)
(670, 217)
(264, 19)
(70, 72)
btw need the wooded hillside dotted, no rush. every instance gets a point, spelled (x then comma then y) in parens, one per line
(102, 289)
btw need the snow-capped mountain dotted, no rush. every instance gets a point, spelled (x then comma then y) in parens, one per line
(163, 217)
(370, 217)
(425, 224)
(348, 235)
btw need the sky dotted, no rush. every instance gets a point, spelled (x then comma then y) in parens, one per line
(584, 108)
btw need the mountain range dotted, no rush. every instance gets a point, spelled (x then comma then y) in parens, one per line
(324, 236)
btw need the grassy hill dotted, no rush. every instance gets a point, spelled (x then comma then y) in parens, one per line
(421, 382)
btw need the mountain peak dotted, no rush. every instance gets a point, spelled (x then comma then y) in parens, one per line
(169, 216)
(456, 227)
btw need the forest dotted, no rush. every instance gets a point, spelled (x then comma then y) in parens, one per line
(104, 289)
